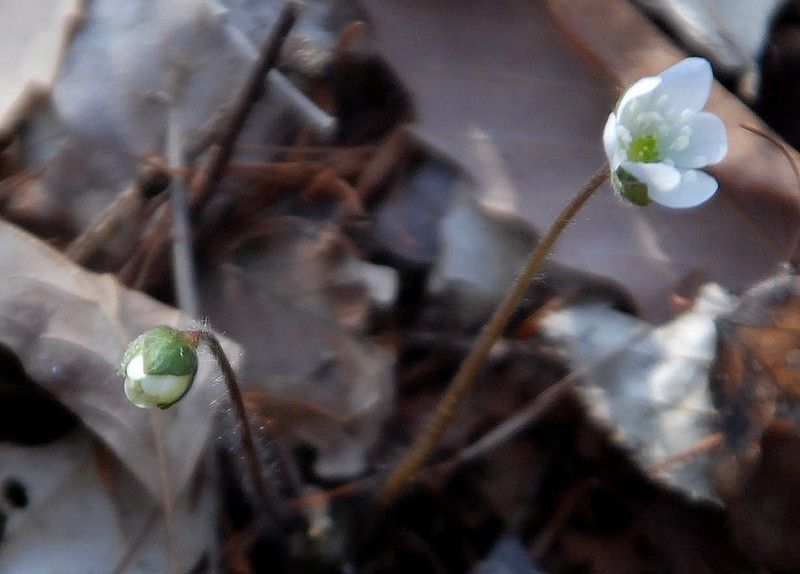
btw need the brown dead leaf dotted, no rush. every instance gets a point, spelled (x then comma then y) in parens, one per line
(755, 377)
(34, 36)
(756, 385)
(69, 329)
(502, 88)
(296, 296)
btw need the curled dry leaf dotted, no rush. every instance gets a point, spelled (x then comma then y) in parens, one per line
(729, 33)
(756, 376)
(649, 385)
(295, 295)
(756, 385)
(502, 89)
(70, 328)
(33, 36)
(133, 66)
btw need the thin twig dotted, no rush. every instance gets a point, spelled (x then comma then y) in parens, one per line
(516, 423)
(250, 94)
(328, 182)
(249, 450)
(467, 373)
(394, 148)
(183, 271)
(204, 183)
(129, 210)
(314, 150)
(125, 208)
(784, 149)
(705, 444)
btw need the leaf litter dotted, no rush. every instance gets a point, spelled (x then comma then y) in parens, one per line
(290, 271)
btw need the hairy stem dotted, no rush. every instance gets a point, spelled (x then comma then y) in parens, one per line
(249, 450)
(470, 368)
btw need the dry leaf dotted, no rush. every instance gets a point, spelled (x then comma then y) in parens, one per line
(76, 510)
(649, 385)
(756, 376)
(756, 385)
(130, 64)
(70, 328)
(34, 36)
(730, 33)
(294, 294)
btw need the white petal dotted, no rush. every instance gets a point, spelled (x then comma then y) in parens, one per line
(694, 188)
(637, 96)
(610, 143)
(686, 85)
(135, 368)
(160, 385)
(708, 142)
(657, 176)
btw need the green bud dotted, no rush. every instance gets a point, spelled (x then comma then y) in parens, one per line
(629, 187)
(159, 367)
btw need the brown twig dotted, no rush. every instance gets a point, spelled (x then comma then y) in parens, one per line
(130, 209)
(705, 444)
(391, 152)
(313, 150)
(14, 182)
(183, 269)
(784, 149)
(204, 183)
(468, 372)
(328, 182)
(352, 33)
(222, 152)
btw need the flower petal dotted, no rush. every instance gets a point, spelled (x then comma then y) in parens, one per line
(694, 188)
(658, 176)
(637, 96)
(610, 143)
(707, 142)
(686, 85)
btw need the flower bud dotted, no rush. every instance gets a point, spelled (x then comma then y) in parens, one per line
(159, 367)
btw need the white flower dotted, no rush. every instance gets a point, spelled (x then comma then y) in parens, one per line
(657, 137)
(159, 367)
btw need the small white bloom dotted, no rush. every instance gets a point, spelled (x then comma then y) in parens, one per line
(657, 137)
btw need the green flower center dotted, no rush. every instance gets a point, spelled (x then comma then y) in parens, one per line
(643, 149)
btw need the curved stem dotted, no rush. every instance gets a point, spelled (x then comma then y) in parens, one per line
(249, 449)
(464, 379)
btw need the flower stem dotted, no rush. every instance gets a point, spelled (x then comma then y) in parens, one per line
(249, 450)
(464, 379)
